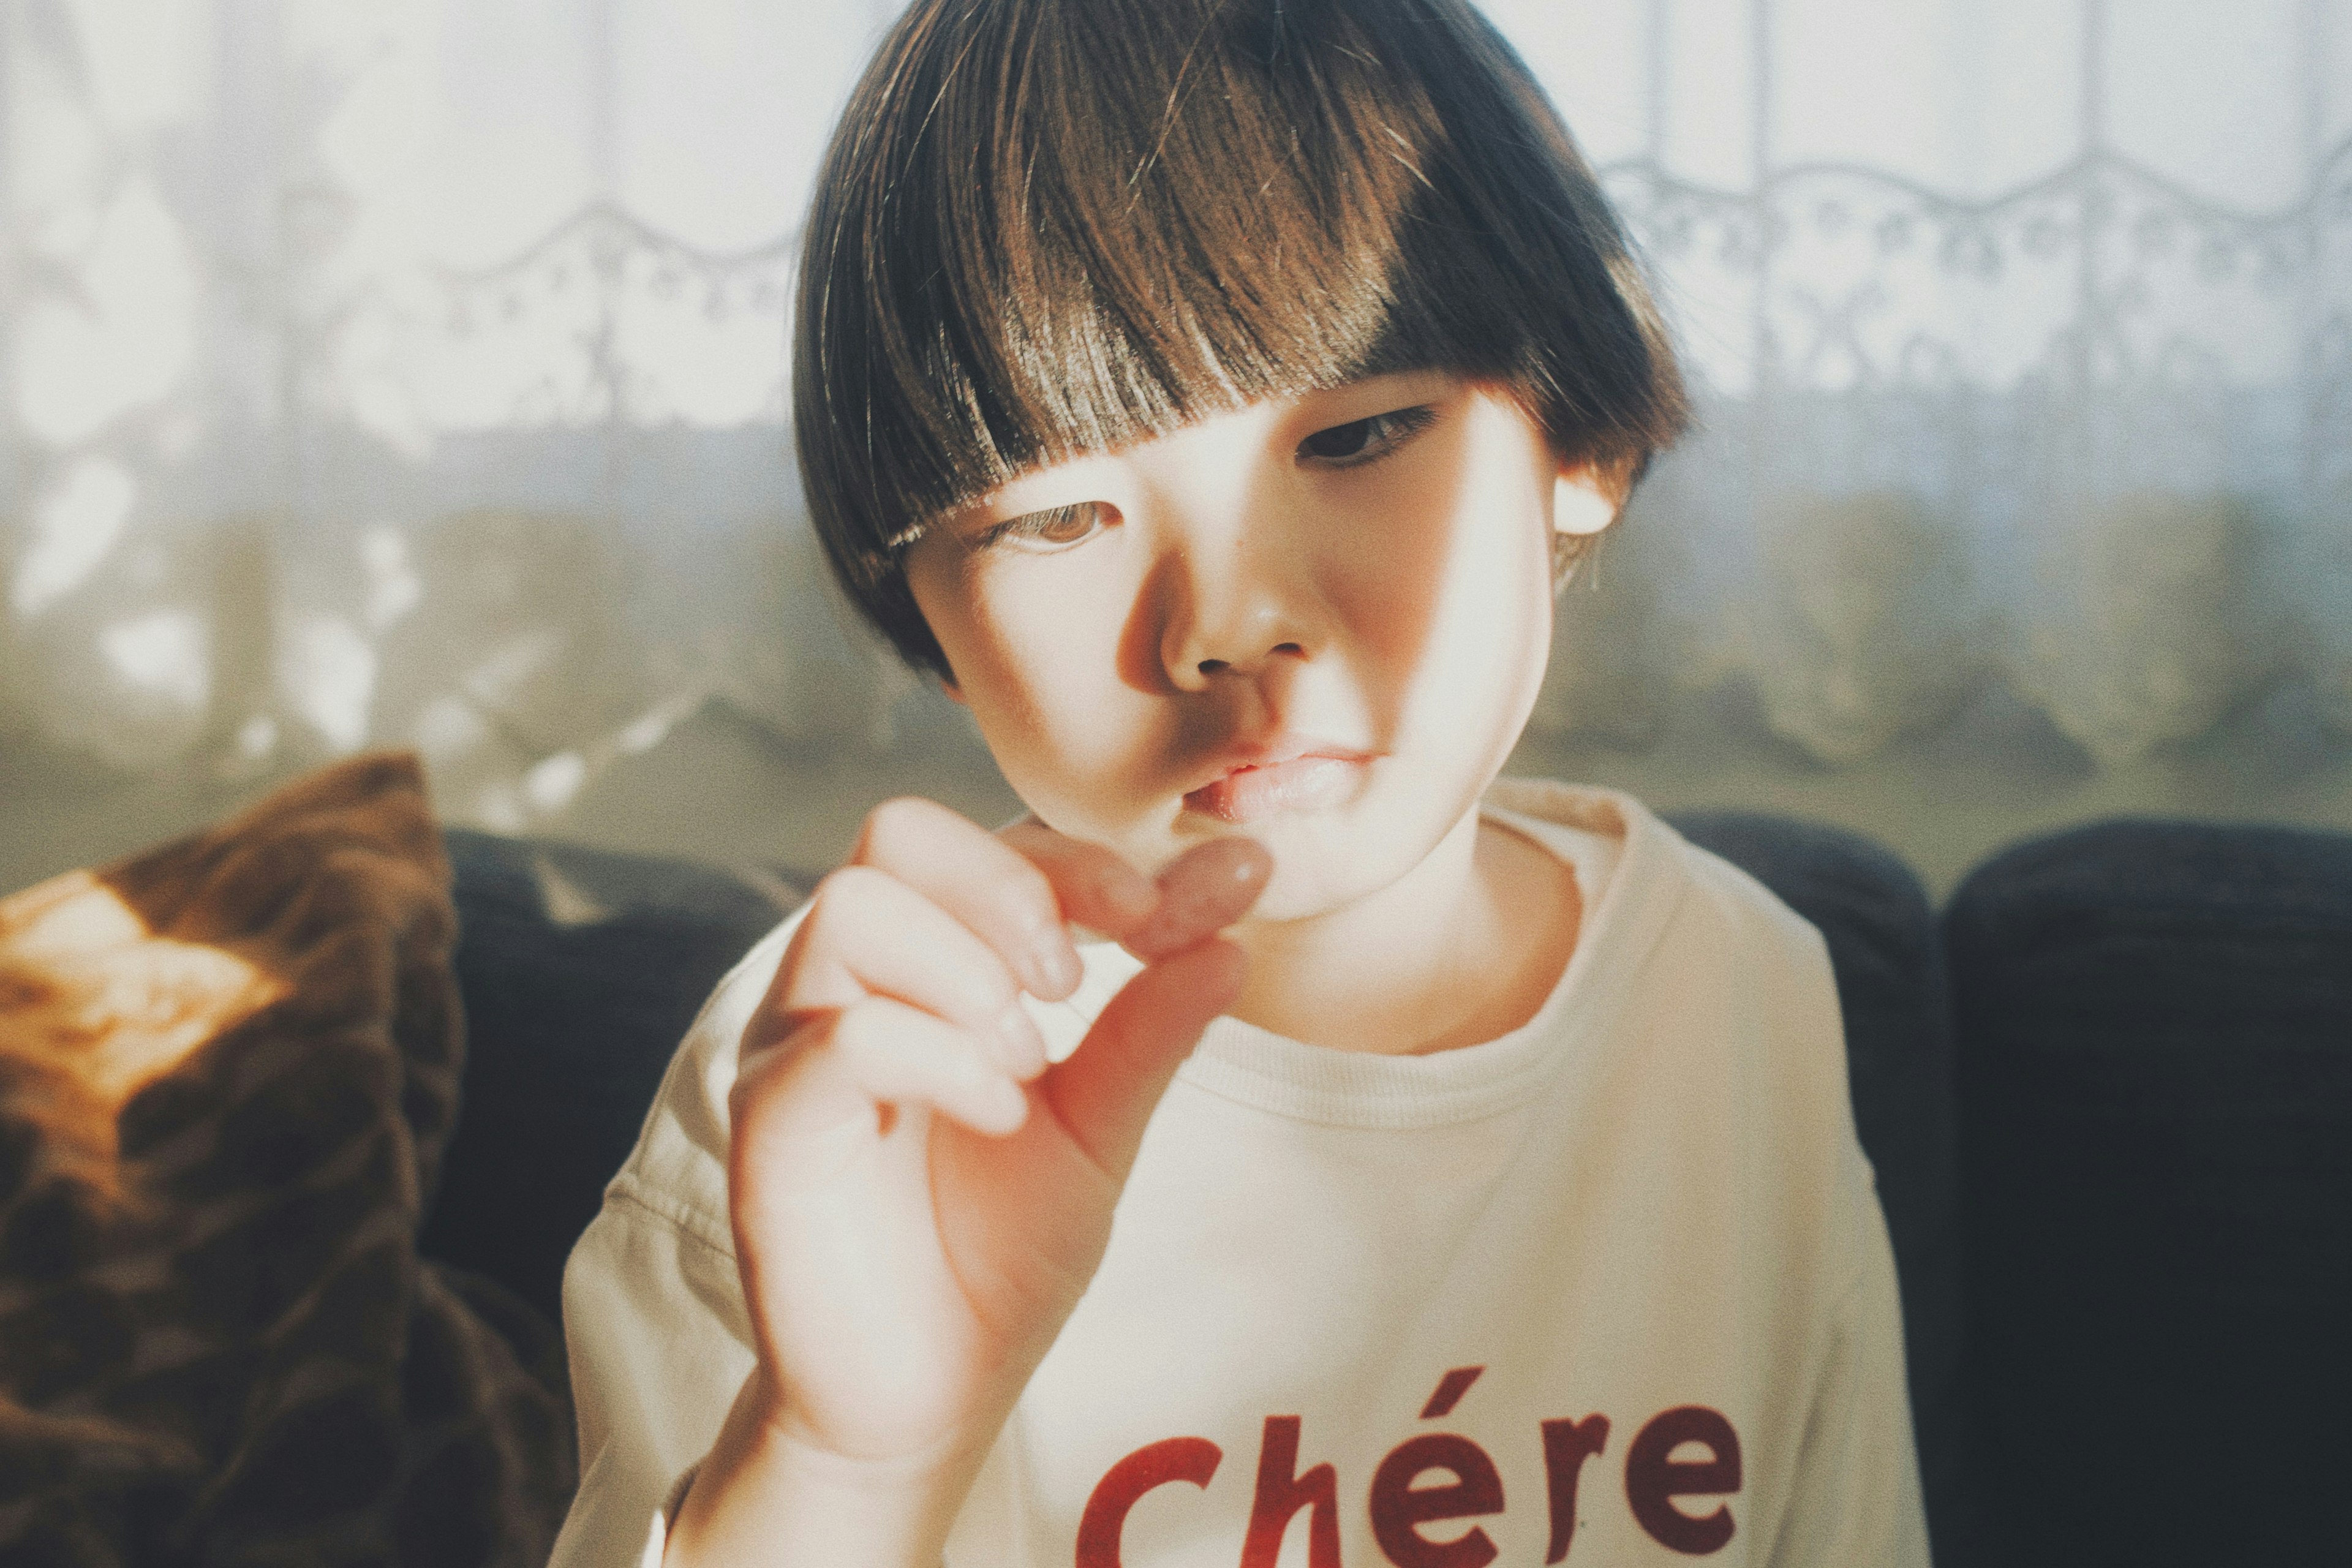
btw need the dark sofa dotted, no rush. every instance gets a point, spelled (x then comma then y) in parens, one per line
(2107, 1090)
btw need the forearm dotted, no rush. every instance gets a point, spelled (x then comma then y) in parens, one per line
(761, 1497)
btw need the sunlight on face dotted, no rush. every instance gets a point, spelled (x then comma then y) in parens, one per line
(1320, 621)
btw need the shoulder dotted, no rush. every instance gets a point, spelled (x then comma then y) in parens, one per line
(1693, 960)
(1657, 880)
(1723, 995)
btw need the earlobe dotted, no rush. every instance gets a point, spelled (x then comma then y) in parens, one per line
(1580, 504)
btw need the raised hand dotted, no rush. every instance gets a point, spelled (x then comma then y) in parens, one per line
(918, 1198)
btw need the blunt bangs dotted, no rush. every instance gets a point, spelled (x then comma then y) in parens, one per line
(1046, 227)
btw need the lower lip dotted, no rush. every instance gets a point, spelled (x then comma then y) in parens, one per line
(1303, 784)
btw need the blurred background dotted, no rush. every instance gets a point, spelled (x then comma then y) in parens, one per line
(413, 372)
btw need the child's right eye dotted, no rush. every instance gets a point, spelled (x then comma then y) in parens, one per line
(1056, 528)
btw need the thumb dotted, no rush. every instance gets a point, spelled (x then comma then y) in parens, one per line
(1107, 1089)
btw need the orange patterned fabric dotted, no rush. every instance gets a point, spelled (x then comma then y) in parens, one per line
(228, 1067)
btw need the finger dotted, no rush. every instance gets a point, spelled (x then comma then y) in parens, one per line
(1105, 1092)
(868, 933)
(1097, 888)
(896, 1054)
(1206, 889)
(1001, 896)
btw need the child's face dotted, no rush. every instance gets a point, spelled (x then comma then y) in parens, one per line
(1320, 621)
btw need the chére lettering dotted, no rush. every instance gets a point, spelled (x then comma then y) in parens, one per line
(1438, 1478)
(1282, 1492)
(1193, 1460)
(1652, 1479)
(1400, 1509)
(1566, 1444)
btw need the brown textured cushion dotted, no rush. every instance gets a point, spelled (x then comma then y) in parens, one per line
(228, 1067)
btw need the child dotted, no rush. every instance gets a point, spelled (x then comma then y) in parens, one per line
(1211, 394)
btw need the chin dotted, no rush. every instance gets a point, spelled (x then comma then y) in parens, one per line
(1323, 862)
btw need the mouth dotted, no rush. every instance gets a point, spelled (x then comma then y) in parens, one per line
(1286, 778)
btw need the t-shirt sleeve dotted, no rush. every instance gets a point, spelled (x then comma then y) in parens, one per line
(654, 1318)
(659, 1349)
(1856, 1500)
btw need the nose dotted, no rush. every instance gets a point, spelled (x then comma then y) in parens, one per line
(1240, 606)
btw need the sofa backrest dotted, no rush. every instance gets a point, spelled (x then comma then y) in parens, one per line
(2156, 1082)
(580, 971)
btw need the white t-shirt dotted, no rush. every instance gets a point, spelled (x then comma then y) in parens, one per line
(1611, 1289)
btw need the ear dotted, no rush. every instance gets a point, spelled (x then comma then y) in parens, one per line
(1581, 503)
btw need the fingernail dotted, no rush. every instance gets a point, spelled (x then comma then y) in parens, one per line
(1019, 1047)
(1053, 967)
(1208, 890)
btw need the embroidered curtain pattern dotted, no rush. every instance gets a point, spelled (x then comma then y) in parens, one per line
(394, 372)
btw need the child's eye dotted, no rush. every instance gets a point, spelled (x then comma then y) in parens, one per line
(1365, 440)
(1056, 528)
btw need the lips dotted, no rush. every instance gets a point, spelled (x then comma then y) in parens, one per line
(1300, 780)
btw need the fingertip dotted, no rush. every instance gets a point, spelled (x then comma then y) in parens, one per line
(1080, 869)
(1051, 967)
(1222, 878)
(1208, 888)
(1252, 869)
(1232, 864)
(1012, 1109)
(999, 1109)
(1020, 1048)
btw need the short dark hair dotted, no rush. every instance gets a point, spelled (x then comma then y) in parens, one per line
(1046, 227)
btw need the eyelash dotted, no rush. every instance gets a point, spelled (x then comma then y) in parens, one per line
(1037, 524)
(1400, 426)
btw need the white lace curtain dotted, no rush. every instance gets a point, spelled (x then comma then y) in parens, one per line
(412, 372)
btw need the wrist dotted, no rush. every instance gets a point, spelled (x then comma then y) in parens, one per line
(768, 1491)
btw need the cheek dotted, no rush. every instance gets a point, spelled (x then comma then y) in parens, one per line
(1450, 580)
(1036, 656)
(1457, 617)
(1496, 642)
